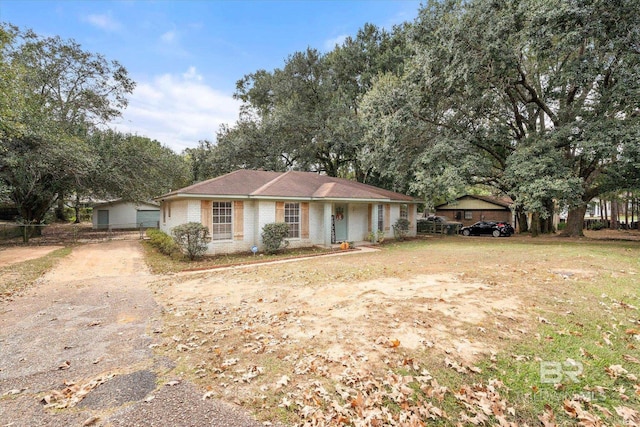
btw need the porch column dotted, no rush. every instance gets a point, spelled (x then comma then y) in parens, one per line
(374, 218)
(327, 224)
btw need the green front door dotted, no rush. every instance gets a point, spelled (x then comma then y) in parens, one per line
(341, 221)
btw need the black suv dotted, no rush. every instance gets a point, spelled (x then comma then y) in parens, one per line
(493, 228)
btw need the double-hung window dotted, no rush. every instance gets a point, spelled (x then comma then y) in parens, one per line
(222, 221)
(292, 217)
(404, 211)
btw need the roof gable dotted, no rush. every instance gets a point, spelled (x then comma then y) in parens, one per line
(477, 202)
(292, 184)
(116, 202)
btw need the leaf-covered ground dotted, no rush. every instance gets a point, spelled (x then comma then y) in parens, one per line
(513, 331)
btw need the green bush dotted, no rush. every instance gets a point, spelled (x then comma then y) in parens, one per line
(597, 226)
(274, 236)
(192, 238)
(401, 228)
(162, 241)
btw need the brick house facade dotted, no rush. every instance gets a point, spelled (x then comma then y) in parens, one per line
(319, 209)
(471, 209)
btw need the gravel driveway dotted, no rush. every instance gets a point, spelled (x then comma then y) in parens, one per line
(76, 350)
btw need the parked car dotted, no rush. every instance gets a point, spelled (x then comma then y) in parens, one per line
(438, 224)
(435, 218)
(491, 228)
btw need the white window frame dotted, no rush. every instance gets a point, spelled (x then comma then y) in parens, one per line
(468, 214)
(404, 211)
(292, 217)
(221, 220)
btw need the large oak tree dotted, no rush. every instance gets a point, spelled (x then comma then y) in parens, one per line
(53, 95)
(537, 99)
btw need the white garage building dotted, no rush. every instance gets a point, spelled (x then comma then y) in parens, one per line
(119, 214)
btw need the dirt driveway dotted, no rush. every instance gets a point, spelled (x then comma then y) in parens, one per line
(76, 349)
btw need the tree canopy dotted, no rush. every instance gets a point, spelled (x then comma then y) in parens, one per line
(538, 100)
(305, 115)
(55, 102)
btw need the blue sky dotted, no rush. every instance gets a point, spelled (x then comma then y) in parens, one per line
(186, 56)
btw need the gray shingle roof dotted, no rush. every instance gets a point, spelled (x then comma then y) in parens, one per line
(292, 184)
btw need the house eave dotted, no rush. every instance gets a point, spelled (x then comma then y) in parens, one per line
(182, 196)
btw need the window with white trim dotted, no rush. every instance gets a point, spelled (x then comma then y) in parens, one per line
(222, 223)
(468, 214)
(292, 217)
(404, 211)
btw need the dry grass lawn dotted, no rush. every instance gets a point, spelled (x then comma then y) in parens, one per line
(441, 330)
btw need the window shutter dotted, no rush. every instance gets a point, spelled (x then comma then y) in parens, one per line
(279, 211)
(304, 220)
(387, 217)
(206, 215)
(370, 212)
(238, 220)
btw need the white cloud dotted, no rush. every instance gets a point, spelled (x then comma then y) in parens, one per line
(330, 44)
(103, 21)
(169, 37)
(192, 74)
(177, 110)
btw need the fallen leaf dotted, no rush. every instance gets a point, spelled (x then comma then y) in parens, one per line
(91, 421)
(475, 369)
(14, 391)
(547, 418)
(614, 371)
(603, 410)
(182, 347)
(630, 358)
(282, 382)
(630, 416)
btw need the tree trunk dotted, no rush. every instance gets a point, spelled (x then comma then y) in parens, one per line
(535, 224)
(76, 208)
(627, 199)
(60, 209)
(546, 225)
(575, 222)
(615, 214)
(523, 224)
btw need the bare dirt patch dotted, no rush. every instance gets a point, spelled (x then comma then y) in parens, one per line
(117, 258)
(425, 311)
(14, 255)
(370, 338)
(253, 335)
